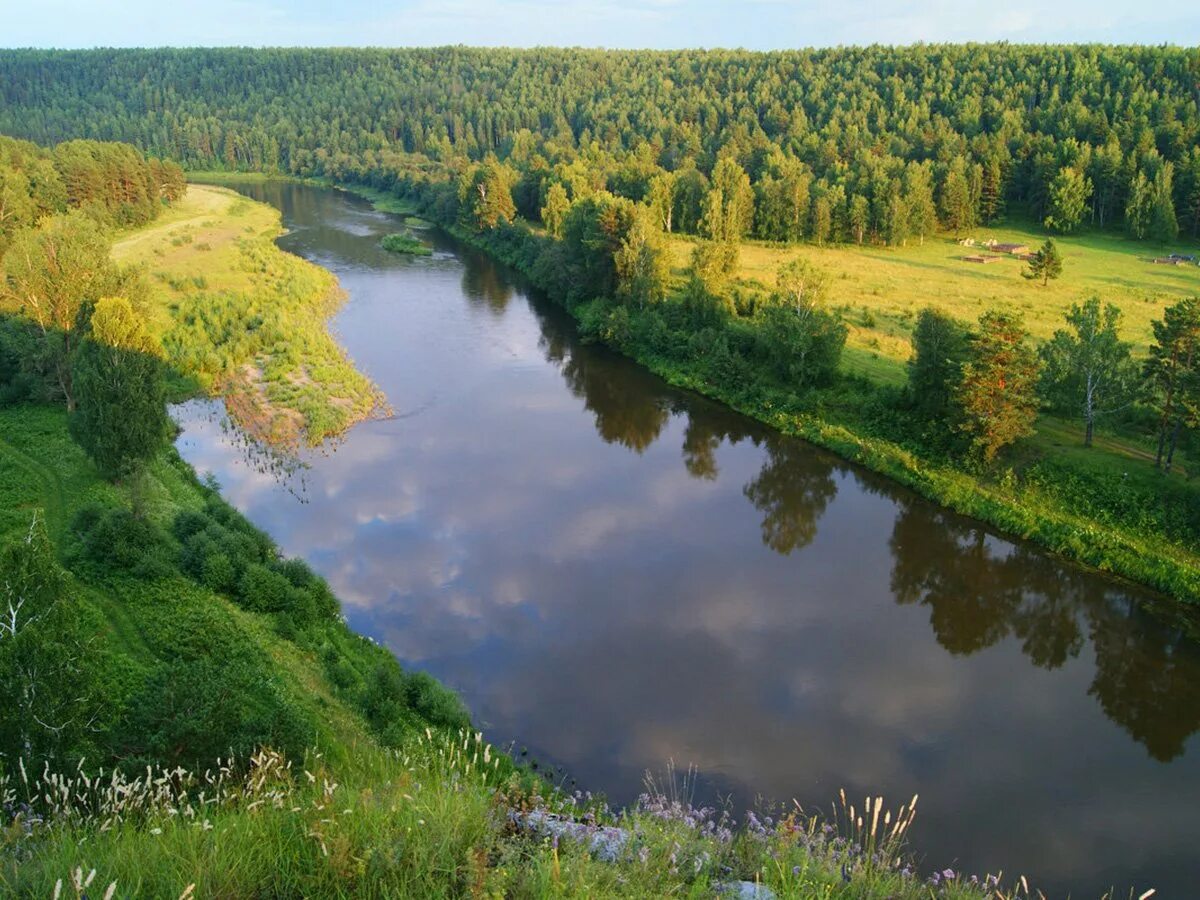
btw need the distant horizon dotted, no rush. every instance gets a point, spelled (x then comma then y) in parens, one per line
(601, 47)
(756, 25)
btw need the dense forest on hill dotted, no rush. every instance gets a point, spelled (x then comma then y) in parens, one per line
(844, 144)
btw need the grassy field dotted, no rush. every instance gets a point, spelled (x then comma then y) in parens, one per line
(881, 290)
(248, 320)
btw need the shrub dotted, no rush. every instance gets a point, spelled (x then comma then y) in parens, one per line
(115, 541)
(263, 590)
(435, 702)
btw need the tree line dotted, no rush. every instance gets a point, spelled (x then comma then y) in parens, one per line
(112, 183)
(848, 144)
(972, 390)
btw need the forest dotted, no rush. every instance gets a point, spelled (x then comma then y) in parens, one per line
(849, 144)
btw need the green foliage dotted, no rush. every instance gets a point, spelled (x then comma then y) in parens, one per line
(1172, 375)
(50, 273)
(111, 182)
(1163, 224)
(48, 671)
(642, 266)
(120, 418)
(218, 701)
(1088, 372)
(555, 209)
(1046, 263)
(114, 541)
(485, 193)
(997, 392)
(941, 346)
(404, 243)
(1069, 194)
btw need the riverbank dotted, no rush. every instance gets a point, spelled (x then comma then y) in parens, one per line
(1083, 513)
(341, 773)
(248, 321)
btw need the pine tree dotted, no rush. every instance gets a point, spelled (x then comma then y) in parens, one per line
(998, 392)
(957, 210)
(940, 348)
(1172, 375)
(1163, 226)
(1045, 264)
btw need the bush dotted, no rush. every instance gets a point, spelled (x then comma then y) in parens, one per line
(112, 540)
(193, 711)
(263, 590)
(436, 703)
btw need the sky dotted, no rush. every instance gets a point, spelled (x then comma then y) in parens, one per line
(753, 24)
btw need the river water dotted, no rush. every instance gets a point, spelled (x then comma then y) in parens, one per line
(615, 574)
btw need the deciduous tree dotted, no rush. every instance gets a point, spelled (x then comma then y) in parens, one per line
(121, 419)
(1087, 371)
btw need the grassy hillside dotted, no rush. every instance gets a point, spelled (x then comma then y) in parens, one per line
(338, 775)
(246, 319)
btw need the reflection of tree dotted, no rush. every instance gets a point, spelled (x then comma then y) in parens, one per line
(1147, 676)
(708, 426)
(792, 491)
(628, 409)
(947, 567)
(700, 443)
(483, 280)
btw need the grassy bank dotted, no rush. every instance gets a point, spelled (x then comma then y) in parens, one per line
(880, 290)
(248, 321)
(1104, 507)
(371, 786)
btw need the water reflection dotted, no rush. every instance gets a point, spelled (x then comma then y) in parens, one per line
(615, 573)
(792, 491)
(484, 282)
(980, 591)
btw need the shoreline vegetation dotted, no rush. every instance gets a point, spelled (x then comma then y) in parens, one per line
(247, 321)
(1002, 502)
(405, 244)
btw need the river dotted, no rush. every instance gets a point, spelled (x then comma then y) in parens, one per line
(615, 573)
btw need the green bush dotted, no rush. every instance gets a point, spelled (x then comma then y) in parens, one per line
(109, 540)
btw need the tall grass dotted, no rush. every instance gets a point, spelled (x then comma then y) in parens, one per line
(446, 815)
